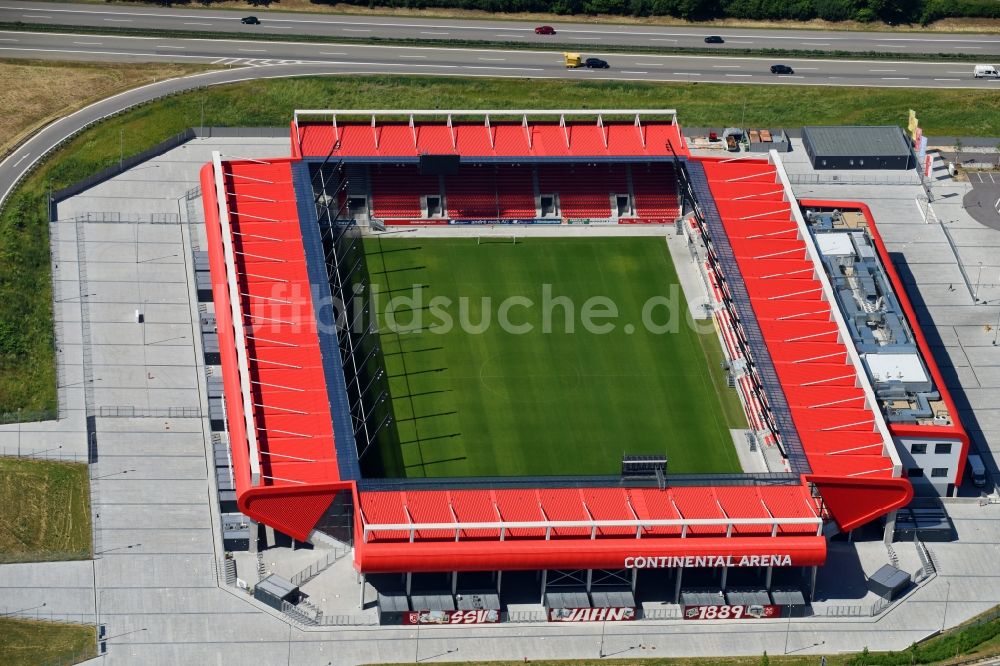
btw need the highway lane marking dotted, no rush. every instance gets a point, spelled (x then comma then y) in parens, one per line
(790, 76)
(507, 69)
(487, 50)
(733, 41)
(23, 157)
(354, 30)
(686, 73)
(331, 53)
(739, 74)
(727, 66)
(433, 33)
(87, 43)
(947, 79)
(114, 20)
(650, 64)
(967, 47)
(197, 24)
(35, 16)
(891, 46)
(9, 39)
(882, 70)
(494, 59)
(956, 72)
(655, 39)
(895, 78)
(804, 69)
(411, 56)
(477, 27)
(167, 46)
(816, 44)
(507, 35)
(625, 71)
(584, 39)
(254, 50)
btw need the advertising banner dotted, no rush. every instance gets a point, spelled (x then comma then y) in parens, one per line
(535, 220)
(922, 148)
(738, 612)
(928, 162)
(479, 616)
(611, 614)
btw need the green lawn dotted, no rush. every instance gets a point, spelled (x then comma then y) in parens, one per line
(28, 643)
(476, 398)
(47, 511)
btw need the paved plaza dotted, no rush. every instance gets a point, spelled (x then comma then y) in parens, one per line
(156, 582)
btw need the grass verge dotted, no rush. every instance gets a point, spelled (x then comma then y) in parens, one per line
(42, 91)
(27, 368)
(544, 357)
(47, 511)
(548, 45)
(28, 643)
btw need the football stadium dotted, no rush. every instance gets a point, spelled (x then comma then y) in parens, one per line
(437, 348)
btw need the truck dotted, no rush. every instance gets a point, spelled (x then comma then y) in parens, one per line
(572, 60)
(977, 470)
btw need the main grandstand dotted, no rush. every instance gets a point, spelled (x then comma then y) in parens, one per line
(309, 391)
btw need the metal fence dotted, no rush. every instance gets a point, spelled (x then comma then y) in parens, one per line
(162, 147)
(316, 568)
(44, 615)
(27, 416)
(128, 218)
(56, 454)
(834, 179)
(133, 412)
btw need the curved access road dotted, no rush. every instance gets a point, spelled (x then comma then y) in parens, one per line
(589, 36)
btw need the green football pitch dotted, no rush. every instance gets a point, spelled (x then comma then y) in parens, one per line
(503, 359)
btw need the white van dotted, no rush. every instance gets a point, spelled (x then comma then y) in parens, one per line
(977, 470)
(986, 72)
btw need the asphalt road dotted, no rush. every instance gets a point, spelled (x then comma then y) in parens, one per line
(487, 62)
(589, 36)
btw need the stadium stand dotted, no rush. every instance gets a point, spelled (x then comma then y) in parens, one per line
(396, 190)
(655, 188)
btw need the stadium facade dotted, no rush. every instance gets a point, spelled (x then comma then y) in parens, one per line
(835, 376)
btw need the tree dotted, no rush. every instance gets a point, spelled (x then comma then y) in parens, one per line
(764, 660)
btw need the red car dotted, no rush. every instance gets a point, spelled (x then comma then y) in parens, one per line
(545, 30)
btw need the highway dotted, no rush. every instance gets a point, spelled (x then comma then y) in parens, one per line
(344, 58)
(588, 36)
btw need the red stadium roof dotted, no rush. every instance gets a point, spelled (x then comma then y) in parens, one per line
(279, 414)
(839, 424)
(527, 137)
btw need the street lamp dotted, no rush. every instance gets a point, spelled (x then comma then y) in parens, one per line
(788, 626)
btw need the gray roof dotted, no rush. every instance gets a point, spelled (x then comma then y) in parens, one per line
(891, 577)
(856, 140)
(276, 586)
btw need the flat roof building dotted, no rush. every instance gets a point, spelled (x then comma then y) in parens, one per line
(858, 147)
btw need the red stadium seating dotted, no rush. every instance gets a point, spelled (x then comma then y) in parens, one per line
(396, 190)
(655, 190)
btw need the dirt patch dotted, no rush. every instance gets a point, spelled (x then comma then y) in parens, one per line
(44, 91)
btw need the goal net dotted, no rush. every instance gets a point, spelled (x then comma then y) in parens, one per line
(491, 239)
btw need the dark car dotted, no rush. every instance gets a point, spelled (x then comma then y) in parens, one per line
(250, 20)
(781, 69)
(545, 30)
(714, 39)
(595, 63)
